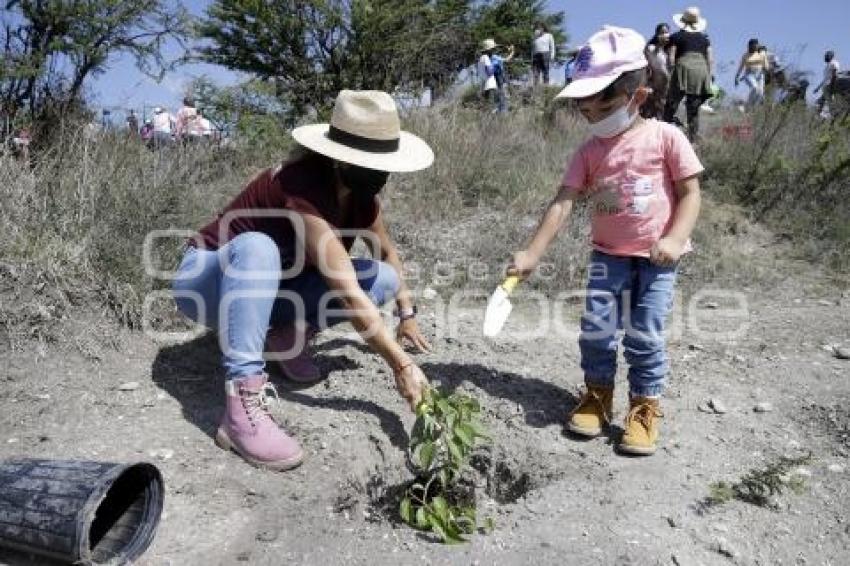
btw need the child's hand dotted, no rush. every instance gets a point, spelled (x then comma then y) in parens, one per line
(523, 264)
(666, 251)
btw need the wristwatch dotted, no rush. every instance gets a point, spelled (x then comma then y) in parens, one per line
(406, 314)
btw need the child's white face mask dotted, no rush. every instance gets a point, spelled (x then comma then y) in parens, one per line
(615, 123)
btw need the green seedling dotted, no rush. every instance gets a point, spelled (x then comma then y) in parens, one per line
(443, 439)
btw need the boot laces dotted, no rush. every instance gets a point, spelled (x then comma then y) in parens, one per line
(643, 413)
(257, 402)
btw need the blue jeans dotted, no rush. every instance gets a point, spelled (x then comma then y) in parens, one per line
(237, 291)
(634, 295)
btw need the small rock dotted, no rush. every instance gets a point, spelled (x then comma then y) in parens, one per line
(722, 546)
(129, 386)
(267, 536)
(705, 407)
(841, 352)
(717, 406)
(826, 302)
(162, 453)
(43, 438)
(710, 305)
(803, 472)
(673, 522)
(12, 441)
(429, 294)
(836, 468)
(696, 347)
(763, 407)
(828, 348)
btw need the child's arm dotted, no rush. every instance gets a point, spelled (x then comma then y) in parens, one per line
(669, 248)
(555, 217)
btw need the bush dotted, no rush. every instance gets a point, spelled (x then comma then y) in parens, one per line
(794, 175)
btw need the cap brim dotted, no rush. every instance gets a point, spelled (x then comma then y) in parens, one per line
(582, 88)
(413, 153)
(701, 24)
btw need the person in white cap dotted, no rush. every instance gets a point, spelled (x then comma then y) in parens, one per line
(274, 267)
(692, 62)
(487, 72)
(640, 178)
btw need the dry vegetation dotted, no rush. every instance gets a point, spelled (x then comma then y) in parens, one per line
(74, 223)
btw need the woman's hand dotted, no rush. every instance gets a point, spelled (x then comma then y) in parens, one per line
(523, 264)
(411, 383)
(409, 330)
(666, 252)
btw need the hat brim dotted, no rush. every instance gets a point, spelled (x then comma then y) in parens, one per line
(700, 25)
(582, 88)
(413, 153)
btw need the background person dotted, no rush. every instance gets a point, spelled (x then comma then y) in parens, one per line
(184, 120)
(827, 85)
(659, 73)
(542, 53)
(163, 127)
(753, 69)
(501, 73)
(230, 276)
(487, 73)
(692, 65)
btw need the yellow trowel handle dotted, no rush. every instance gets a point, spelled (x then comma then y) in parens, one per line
(510, 283)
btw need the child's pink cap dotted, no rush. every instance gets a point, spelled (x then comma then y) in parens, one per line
(608, 54)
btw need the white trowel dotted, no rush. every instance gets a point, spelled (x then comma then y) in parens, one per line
(499, 307)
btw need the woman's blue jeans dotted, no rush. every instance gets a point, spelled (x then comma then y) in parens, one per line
(237, 290)
(633, 295)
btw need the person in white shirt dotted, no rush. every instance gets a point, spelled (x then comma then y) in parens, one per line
(185, 117)
(487, 71)
(163, 124)
(542, 53)
(830, 74)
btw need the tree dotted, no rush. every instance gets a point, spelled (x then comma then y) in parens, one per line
(312, 50)
(51, 47)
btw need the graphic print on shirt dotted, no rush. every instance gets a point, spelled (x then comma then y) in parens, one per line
(633, 196)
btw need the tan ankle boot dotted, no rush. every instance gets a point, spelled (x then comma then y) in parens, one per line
(641, 428)
(594, 411)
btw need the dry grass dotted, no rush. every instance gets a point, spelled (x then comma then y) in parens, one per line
(74, 225)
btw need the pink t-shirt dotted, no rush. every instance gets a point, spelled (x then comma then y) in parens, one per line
(630, 183)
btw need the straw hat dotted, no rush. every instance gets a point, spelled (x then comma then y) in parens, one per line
(365, 130)
(488, 44)
(691, 19)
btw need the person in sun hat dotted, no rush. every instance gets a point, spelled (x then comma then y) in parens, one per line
(640, 179)
(692, 64)
(274, 267)
(487, 72)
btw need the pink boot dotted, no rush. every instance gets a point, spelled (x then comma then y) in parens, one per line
(249, 430)
(298, 365)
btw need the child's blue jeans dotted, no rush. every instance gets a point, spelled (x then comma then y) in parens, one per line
(237, 291)
(633, 295)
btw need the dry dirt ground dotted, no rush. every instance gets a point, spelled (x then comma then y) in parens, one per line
(554, 499)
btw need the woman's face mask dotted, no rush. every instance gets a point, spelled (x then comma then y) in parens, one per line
(615, 123)
(364, 182)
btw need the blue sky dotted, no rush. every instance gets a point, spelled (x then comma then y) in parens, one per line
(800, 31)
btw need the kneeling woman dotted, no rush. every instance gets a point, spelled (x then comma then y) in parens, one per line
(275, 267)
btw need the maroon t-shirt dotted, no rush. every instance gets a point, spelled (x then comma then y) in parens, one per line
(305, 186)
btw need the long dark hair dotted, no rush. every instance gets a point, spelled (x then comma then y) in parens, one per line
(658, 30)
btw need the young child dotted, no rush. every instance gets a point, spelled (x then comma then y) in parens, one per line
(640, 178)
